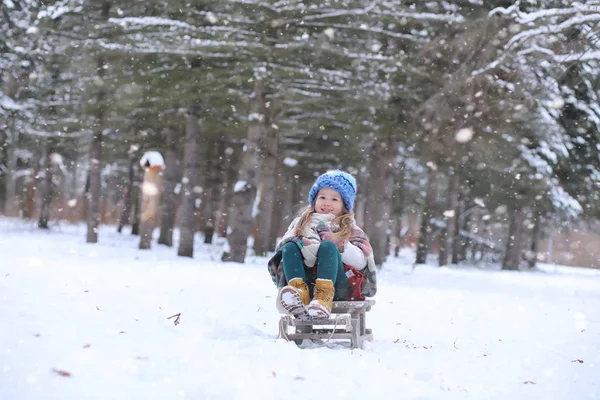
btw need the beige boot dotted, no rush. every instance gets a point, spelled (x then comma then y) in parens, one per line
(294, 297)
(320, 306)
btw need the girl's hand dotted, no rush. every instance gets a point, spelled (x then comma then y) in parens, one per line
(325, 233)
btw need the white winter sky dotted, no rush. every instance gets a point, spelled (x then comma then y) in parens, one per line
(95, 321)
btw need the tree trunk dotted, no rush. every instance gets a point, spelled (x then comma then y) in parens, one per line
(77, 195)
(30, 183)
(535, 240)
(93, 217)
(95, 187)
(398, 211)
(11, 205)
(426, 214)
(171, 176)
(46, 192)
(464, 242)
(85, 200)
(220, 182)
(458, 239)
(512, 255)
(3, 165)
(379, 197)
(282, 207)
(244, 196)
(125, 218)
(202, 192)
(207, 210)
(135, 202)
(244, 192)
(189, 182)
(221, 227)
(108, 203)
(360, 204)
(449, 233)
(212, 186)
(150, 205)
(230, 174)
(268, 176)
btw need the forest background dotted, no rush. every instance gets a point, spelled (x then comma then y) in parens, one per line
(472, 127)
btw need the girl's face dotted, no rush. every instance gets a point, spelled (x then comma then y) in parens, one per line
(329, 202)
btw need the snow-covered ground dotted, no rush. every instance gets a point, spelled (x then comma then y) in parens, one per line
(81, 321)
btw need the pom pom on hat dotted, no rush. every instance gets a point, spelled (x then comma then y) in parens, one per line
(340, 181)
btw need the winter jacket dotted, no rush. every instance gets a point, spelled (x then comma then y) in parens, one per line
(309, 242)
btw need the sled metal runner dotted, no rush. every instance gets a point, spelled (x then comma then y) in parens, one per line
(347, 321)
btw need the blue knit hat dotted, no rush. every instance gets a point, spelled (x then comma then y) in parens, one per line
(340, 181)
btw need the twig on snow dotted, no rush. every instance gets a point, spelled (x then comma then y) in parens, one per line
(176, 322)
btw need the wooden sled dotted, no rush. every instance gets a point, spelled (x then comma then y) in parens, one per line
(347, 321)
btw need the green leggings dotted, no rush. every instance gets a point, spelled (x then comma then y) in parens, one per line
(329, 266)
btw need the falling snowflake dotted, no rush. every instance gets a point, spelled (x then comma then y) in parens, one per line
(556, 103)
(211, 18)
(464, 135)
(330, 33)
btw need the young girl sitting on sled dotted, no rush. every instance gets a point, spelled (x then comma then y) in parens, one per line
(324, 256)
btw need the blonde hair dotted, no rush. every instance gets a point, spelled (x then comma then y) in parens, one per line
(345, 221)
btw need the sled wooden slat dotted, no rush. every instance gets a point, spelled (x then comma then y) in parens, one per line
(339, 320)
(340, 307)
(347, 321)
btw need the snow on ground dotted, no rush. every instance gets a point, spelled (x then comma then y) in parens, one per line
(82, 321)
